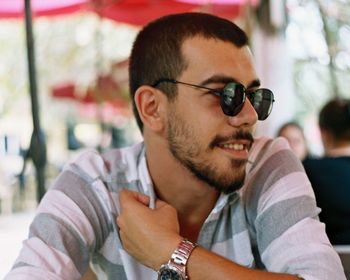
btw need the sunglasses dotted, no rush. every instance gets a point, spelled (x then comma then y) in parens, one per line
(233, 95)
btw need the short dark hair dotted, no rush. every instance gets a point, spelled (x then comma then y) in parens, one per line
(156, 52)
(335, 118)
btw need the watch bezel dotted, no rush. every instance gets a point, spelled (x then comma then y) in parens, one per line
(166, 267)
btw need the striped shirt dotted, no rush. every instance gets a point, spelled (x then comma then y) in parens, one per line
(270, 224)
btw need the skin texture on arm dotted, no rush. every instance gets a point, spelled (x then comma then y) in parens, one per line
(204, 264)
(151, 235)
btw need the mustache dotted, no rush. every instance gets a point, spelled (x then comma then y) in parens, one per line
(239, 135)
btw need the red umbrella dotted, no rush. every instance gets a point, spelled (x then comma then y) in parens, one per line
(15, 8)
(139, 12)
(136, 12)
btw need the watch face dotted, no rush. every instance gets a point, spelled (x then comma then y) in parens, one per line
(169, 274)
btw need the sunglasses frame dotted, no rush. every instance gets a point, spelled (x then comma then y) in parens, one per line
(227, 95)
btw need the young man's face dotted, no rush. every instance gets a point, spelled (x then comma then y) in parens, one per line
(211, 144)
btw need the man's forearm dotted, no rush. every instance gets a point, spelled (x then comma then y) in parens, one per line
(151, 235)
(204, 264)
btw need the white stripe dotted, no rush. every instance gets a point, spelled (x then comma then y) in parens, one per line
(91, 162)
(290, 186)
(136, 270)
(111, 255)
(31, 273)
(103, 195)
(237, 249)
(304, 239)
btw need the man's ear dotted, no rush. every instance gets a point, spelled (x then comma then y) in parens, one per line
(148, 101)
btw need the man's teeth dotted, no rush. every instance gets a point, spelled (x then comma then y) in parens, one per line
(237, 147)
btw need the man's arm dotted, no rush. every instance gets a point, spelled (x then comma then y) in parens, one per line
(69, 224)
(151, 235)
(204, 264)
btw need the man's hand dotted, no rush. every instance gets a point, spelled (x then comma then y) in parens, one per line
(149, 235)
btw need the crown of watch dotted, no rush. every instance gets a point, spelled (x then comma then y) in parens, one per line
(175, 269)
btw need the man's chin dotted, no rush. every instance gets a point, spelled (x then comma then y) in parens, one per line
(233, 181)
(232, 188)
(224, 183)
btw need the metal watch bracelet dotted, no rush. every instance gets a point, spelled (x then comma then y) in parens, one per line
(178, 261)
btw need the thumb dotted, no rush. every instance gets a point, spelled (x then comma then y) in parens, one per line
(160, 204)
(127, 197)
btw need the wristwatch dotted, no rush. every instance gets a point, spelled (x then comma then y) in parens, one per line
(175, 269)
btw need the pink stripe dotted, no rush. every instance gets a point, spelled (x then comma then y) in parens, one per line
(33, 251)
(30, 273)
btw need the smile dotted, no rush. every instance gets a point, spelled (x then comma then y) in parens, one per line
(242, 146)
(236, 147)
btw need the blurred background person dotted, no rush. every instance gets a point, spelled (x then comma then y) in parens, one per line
(330, 174)
(294, 134)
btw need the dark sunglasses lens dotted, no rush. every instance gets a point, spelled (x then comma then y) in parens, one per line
(232, 99)
(262, 101)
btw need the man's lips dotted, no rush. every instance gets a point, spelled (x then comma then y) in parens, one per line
(236, 145)
(240, 145)
(239, 141)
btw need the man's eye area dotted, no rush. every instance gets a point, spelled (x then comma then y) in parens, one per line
(217, 92)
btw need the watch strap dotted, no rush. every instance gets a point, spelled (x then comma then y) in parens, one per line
(181, 254)
(179, 258)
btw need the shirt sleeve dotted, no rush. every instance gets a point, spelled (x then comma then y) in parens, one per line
(71, 221)
(283, 215)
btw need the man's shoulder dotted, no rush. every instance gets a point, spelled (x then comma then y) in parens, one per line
(312, 161)
(98, 164)
(269, 144)
(264, 148)
(327, 164)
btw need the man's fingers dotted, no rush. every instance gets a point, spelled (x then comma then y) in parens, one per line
(144, 199)
(127, 197)
(160, 204)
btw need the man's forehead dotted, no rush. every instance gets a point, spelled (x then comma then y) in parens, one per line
(197, 46)
(208, 58)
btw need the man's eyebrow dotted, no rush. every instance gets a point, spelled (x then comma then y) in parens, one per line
(218, 79)
(225, 79)
(254, 83)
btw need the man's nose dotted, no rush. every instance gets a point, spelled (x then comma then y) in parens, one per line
(246, 117)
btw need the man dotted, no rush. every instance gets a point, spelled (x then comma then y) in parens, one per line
(329, 174)
(197, 178)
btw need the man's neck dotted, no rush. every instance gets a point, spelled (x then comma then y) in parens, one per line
(339, 151)
(176, 185)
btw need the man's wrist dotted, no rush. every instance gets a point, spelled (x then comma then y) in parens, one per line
(176, 267)
(165, 251)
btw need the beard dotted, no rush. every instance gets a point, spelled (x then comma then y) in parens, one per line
(185, 147)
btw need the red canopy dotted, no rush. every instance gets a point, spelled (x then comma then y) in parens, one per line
(15, 8)
(137, 12)
(140, 12)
